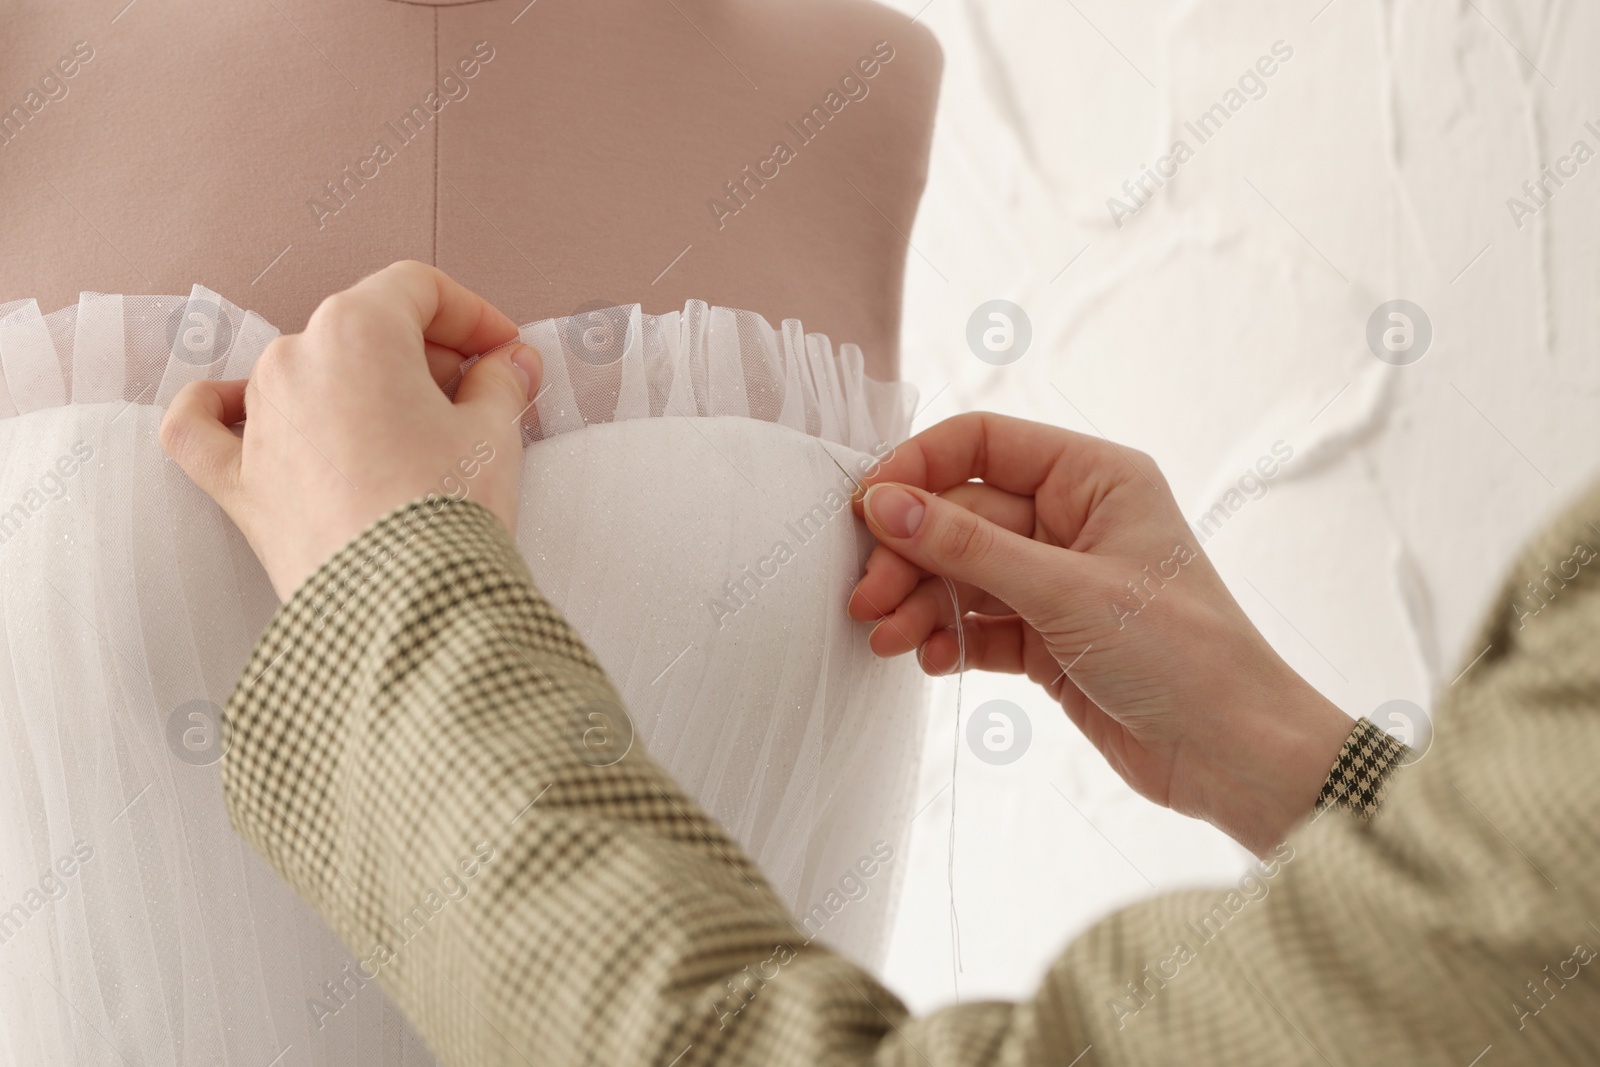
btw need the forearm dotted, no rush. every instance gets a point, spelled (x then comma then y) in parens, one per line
(438, 714)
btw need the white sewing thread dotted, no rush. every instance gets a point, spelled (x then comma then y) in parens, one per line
(955, 752)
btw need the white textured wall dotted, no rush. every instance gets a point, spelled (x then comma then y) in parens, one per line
(1227, 314)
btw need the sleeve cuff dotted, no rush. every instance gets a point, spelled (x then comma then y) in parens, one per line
(1359, 779)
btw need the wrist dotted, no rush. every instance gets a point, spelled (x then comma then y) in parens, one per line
(1273, 760)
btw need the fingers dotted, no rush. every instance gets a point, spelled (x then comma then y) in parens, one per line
(1005, 645)
(991, 644)
(1010, 510)
(444, 364)
(501, 385)
(1013, 454)
(887, 580)
(1027, 458)
(890, 578)
(195, 432)
(447, 312)
(945, 538)
(927, 609)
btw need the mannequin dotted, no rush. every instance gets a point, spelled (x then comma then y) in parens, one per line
(555, 156)
(571, 155)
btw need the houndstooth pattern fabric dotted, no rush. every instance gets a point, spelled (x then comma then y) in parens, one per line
(427, 752)
(1359, 775)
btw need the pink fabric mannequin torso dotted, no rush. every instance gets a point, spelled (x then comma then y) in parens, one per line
(570, 155)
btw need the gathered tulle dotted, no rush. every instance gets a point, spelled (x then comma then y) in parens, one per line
(601, 365)
(135, 927)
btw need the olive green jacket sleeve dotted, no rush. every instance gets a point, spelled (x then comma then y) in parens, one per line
(428, 753)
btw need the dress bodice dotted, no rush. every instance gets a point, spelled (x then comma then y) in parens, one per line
(684, 503)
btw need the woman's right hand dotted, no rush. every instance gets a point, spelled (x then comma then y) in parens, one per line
(1073, 565)
(366, 378)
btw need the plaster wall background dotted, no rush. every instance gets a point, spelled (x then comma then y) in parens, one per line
(1228, 313)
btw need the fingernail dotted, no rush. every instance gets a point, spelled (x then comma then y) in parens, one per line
(525, 361)
(896, 511)
(872, 634)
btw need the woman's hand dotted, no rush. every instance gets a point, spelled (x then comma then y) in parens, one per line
(1073, 565)
(349, 420)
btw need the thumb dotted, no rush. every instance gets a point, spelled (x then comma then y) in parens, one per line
(195, 432)
(951, 541)
(502, 383)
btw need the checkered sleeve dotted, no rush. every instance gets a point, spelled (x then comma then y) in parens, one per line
(1360, 775)
(427, 752)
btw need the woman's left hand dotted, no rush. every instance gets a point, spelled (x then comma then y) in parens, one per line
(349, 420)
(1073, 564)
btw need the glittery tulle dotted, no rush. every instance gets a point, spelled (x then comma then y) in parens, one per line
(695, 532)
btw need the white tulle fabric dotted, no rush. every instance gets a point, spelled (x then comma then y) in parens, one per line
(135, 927)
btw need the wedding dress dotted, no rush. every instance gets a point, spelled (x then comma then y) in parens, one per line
(684, 503)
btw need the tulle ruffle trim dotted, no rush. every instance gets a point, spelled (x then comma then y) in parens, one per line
(601, 365)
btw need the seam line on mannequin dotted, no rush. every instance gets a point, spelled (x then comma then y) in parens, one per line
(434, 257)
